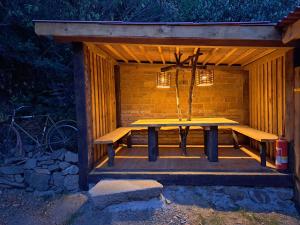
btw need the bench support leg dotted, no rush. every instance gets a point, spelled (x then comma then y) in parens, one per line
(235, 140)
(152, 144)
(129, 140)
(212, 144)
(111, 154)
(205, 134)
(262, 151)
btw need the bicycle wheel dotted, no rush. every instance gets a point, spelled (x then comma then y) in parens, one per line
(62, 136)
(10, 141)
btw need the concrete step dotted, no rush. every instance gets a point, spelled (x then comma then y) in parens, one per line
(115, 191)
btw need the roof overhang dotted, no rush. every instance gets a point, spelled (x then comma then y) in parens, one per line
(291, 32)
(209, 34)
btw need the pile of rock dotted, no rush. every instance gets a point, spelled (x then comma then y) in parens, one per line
(44, 173)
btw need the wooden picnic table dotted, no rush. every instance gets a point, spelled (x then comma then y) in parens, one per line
(210, 126)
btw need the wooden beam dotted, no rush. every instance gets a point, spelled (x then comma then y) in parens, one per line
(145, 53)
(98, 51)
(197, 35)
(129, 52)
(161, 55)
(296, 138)
(210, 55)
(118, 94)
(114, 51)
(226, 56)
(264, 53)
(289, 111)
(83, 113)
(292, 32)
(242, 56)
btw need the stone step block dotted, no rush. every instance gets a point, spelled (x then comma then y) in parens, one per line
(108, 192)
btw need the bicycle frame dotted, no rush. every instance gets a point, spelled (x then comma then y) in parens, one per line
(42, 141)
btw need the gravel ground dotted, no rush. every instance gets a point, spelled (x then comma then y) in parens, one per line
(177, 205)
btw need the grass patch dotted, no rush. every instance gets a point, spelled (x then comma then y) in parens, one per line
(264, 219)
(212, 220)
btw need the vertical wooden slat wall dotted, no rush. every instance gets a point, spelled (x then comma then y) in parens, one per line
(267, 91)
(103, 100)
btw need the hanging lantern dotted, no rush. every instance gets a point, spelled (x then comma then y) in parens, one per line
(204, 77)
(163, 80)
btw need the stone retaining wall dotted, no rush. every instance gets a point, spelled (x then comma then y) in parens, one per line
(44, 173)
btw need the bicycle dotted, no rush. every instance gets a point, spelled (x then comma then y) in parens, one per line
(54, 136)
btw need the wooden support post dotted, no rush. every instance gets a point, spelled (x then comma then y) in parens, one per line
(297, 135)
(235, 140)
(111, 154)
(212, 144)
(262, 152)
(118, 94)
(205, 134)
(152, 144)
(289, 109)
(83, 114)
(129, 140)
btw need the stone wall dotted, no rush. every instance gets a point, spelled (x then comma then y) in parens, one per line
(44, 173)
(140, 98)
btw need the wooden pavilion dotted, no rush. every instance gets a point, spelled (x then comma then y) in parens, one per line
(256, 83)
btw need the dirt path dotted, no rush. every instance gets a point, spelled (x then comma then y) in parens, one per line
(179, 205)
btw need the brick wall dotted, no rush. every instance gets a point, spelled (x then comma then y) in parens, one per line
(140, 98)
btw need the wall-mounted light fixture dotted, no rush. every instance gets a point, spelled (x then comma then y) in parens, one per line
(204, 77)
(163, 80)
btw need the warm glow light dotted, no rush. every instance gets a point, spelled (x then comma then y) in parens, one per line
(204, 77)
(163, 80)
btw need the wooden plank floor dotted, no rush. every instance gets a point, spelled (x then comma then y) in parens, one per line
(234, 168)
(171, 159)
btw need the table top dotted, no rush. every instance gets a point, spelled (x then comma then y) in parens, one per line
(175, 122)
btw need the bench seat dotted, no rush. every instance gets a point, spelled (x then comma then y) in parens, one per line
(255, 134)
(113, 136)
(262, 137)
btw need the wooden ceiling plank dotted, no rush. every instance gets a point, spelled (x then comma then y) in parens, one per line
(144, 52)
(227, 56)
(116, 52)
(242, 56)
(161, 54)
(264, 53)
(129, 52)
(210, 55)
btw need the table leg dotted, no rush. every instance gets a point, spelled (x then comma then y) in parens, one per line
(152, 144)
(212, 144)
(205, 134)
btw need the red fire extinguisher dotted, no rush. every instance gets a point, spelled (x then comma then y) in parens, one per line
(281, 161)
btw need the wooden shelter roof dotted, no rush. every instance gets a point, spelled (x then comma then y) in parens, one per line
(291, 18)
(180, 33)
(222, 43)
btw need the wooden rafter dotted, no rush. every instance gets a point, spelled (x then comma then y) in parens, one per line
(242, 56)
(145, 53)
(161, 54)
(264, 53)
(226, 56)
(114, 51)
(129, 52)
(210, 55)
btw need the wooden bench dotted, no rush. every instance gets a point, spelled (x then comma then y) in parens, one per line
(114, 136)
(111, 138)
(262, 137)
